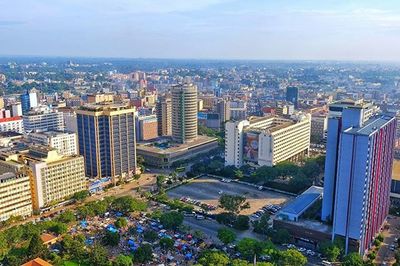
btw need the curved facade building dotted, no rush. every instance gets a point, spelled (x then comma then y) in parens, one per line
(184, 112)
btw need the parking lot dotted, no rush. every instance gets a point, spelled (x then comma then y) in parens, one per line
(208, 191)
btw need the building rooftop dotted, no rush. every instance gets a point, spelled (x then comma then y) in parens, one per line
(371, 125)
(174, 147)
(37, 262)
(104, 106)
(303, 201)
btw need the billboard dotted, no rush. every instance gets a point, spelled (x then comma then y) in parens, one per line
(251, 147)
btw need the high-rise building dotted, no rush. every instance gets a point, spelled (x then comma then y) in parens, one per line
(29, 100)
(319, 125)
(15, 189)
(184, 112)
(16, 109)
(224, 110)
(292, 95)
(43, 120)
(335, 127)
(65, 143)
(364, 168)
(106, 137)
(54, 177)
(164, 116)
(266, 141)
(146, 127)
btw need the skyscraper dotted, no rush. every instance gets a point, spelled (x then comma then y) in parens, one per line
(335, 127)
(29, 100)
(292, 95)
(164, 116)
(184, 112)
(363, 164)
(224, 110)
(106, 137)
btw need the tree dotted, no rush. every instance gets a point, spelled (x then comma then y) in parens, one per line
(171, 220)
(241, 222)
(226, 236)
(311, 169)
(59, 228)
(121, 222)
(250, 248)
(281, 236)
(122, 260)
(128, 204)
(74, 247)
(111, 238)
(80, 195)
(233, 203)
(160, 180)
(150, 235)
(292, 257)
(98, 256)
(36, 248)
(143, 254)
(213, 258)
(352, 259)
(66, 217)
(166, 243)
(4, 247)
(239, 174)
(330, 250)
(262, 226)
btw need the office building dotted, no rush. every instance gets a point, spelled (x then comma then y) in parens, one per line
(266, 141)
(319, 126)
(65, 143)
(292, 95)
(106, 137)
(184, 112)
(55, 177)
(335, 126)
(43, 120)
(29, 100)
(12, 124)
(146, 127)
(15, 189)
(223, 108)
(364, 168)
(16, 109)
(164, 116)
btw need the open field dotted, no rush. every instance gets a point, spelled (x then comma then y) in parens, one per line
(208, 190)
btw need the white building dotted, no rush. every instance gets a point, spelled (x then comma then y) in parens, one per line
(64, 142)
(16, 109)
(43, 120)
(266, 141)
(12, 124)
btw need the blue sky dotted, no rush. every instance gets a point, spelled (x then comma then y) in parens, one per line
(218, 29)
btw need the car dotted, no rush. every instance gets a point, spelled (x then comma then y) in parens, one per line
(220, 192)
(200, 217)
(260, 188)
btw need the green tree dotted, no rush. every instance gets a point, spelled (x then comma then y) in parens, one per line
(292, 257)
(59, 228)
(36, 248)
(171, 220)
(226, 236)
(160, 180)
(262, 226)
(281, 236)
(111, 238)
(121, 222)
(128, 204)
(74, 247)
(352, 259)
(213, 258)
(166, 243)
(122, 260)
(239, 174)
(66, 217)
(98, 256)
(150, 235)
(143, 254)
(311, 169)
(80, 195)
(233, 203)
(330, 250)
(241, 222)
(251, 249)
(4, 247)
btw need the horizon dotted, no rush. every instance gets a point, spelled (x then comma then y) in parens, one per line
(205, 30)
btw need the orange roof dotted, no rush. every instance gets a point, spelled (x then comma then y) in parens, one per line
(47, 237)
(37, 262)
(9, 119)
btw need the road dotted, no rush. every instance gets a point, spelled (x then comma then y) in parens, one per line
(385, 255)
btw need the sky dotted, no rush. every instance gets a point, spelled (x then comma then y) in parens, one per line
(203, 29)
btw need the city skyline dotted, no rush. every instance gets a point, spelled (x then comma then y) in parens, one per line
(211, 29)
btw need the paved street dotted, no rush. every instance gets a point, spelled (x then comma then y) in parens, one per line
(385, 255)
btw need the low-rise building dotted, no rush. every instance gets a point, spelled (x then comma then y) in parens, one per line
(12, 124)
(64, 142)
(43, 120)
